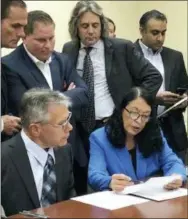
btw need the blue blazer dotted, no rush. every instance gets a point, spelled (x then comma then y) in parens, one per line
(106, 160)
(23, 74)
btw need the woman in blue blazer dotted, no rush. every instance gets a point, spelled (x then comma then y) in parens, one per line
(131, 147)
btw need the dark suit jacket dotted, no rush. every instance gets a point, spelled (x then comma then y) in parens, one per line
(4, 99)
(23, 75)
(18, 189)
(175, 76)
(125, 67)
(4, 109)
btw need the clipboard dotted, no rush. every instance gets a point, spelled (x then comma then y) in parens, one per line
(173, 106)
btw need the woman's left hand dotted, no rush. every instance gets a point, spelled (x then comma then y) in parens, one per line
(175, 184)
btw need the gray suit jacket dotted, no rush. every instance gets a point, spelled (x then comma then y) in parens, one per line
(18, 189)
(125, 67)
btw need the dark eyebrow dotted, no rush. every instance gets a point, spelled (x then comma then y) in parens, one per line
(87, 23)
(17, 25)
(135, 108)
(155, 30)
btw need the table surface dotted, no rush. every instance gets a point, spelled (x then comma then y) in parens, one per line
(174, 208)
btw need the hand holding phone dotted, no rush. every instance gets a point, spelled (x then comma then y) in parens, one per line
(167, 98)
(181, 90)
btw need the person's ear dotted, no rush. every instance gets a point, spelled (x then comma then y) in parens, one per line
(142, 30)
(35, 129)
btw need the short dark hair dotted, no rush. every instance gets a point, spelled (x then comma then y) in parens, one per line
(6, 4)
(151, 14)
(111, 21)
(149, 140)
(37, 16)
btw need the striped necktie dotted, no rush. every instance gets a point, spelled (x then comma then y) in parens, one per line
(49, 183)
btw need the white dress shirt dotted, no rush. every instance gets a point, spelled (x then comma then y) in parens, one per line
(104, 104)
(37, 158)
(157, 62)
(2, 124)
(44, 67)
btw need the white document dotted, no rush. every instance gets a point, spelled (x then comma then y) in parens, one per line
(110, 200)
(161, 194)
(154, 189)
(152, 182)
(160, 181)
(132, 189)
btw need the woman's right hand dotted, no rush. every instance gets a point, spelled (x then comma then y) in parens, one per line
(119, 182)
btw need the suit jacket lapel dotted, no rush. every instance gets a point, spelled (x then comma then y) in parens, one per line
(166, 63)
(59, 175)
(138, 47)
(55, 74)
(3, 90)
(125, 162)
(74, 51)
(141, 165)
(22, 164)
(30, 68)
(167, 68)
(108, 51)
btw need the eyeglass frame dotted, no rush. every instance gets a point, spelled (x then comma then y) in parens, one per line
(139, 115)
(63, 126)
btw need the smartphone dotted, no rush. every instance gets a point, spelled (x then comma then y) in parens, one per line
(181, 90)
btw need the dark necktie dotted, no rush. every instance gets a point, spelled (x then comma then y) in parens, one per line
(49, 183)
(88, 113)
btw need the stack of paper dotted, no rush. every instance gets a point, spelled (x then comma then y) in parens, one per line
(109, 200)
(154, 189)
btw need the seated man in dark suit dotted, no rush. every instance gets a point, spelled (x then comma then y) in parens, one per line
(36, 164)
(109, 66)
(35, 64)
(170, 63)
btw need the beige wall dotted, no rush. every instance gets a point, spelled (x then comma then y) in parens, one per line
(126, 15)
(176, 12)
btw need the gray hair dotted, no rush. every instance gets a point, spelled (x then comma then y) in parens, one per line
(35, 103)
(81, 8)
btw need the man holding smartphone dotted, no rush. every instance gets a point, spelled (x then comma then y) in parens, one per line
(153, 26)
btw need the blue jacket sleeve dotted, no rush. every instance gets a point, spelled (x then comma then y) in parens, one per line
(98, 176)
(170, 163)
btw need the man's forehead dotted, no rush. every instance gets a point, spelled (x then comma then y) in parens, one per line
(156, 23)
(89, 17)
(16, 11)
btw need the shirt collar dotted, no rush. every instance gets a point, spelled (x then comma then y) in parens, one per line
(38, 152)
(98, 45)
(148, 50)
(34, 59)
